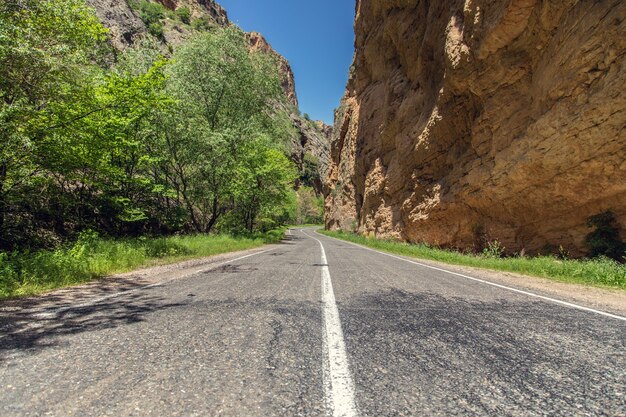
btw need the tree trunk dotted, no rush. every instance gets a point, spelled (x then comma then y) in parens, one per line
(3, 175)
(214, 215)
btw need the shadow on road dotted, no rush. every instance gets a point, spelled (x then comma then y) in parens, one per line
(291, 240)
(34, 324)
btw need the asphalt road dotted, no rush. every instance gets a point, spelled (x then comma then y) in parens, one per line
(285, 332)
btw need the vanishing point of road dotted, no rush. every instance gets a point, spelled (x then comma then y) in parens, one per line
(313, 326)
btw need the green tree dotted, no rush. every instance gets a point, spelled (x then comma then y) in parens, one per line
(141, 146)
(225, 94)
(101, 164)
(264, 179)
(46, 52)
(309, 207)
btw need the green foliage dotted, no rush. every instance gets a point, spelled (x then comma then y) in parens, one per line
(152, 15)
(605, 239)
(494, 250)
(310, 175)
(156, 30)
(151, 12)
(309, 207)
(93, 257)
(184, 14)
(146, 146)
(601, 271)
(46, 54)
(202, 24)
(215, 144)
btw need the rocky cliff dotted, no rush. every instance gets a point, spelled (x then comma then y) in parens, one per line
(258, 42)
(123, 19)
(125, 25)
(467, 121)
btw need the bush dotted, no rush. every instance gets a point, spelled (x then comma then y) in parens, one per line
(156, 29)
(152, 15)
(202, 24)
(494, 250)
(605, 240)
(151, 12)
(184, 14)
(310, 170)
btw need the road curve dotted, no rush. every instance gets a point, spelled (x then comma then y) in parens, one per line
(314, 326)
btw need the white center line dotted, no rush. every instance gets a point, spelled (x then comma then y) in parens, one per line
(493, 284)
(339, 388)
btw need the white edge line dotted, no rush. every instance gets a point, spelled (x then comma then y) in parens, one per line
(54, 312)
(338, 382)
(554, 300)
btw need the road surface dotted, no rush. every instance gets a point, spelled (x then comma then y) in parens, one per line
(313, 326)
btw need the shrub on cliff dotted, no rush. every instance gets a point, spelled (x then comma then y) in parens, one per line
(150, 12)
(184, 14)
(605, 240)
(152, 15)
(202, 24)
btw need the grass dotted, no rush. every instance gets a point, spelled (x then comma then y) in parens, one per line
(600, 272)
(91, 258)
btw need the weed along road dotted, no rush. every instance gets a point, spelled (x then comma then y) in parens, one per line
(313, 326)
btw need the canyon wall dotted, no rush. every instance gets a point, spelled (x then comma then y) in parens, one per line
(467, 121)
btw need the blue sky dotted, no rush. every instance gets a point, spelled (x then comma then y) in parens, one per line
(315, 36)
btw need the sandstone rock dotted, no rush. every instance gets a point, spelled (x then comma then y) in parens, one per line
(473, 120)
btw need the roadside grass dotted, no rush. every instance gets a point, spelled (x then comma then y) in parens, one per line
(599, 272)
(91, 257)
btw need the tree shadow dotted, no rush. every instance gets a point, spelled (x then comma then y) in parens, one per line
(291, 240)
(36, 323)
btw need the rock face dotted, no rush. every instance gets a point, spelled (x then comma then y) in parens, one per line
(258, 42)
(467, 121)
(311, 149)
(126, 27)
(311, 140)
(123, 24)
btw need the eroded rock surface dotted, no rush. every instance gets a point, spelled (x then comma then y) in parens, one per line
(466, 121)
(126, 27)
(123, 24)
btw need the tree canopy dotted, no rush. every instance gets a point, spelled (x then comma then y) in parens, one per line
(143, 145)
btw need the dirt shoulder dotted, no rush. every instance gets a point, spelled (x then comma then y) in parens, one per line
(604, 299)
(14, 312)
